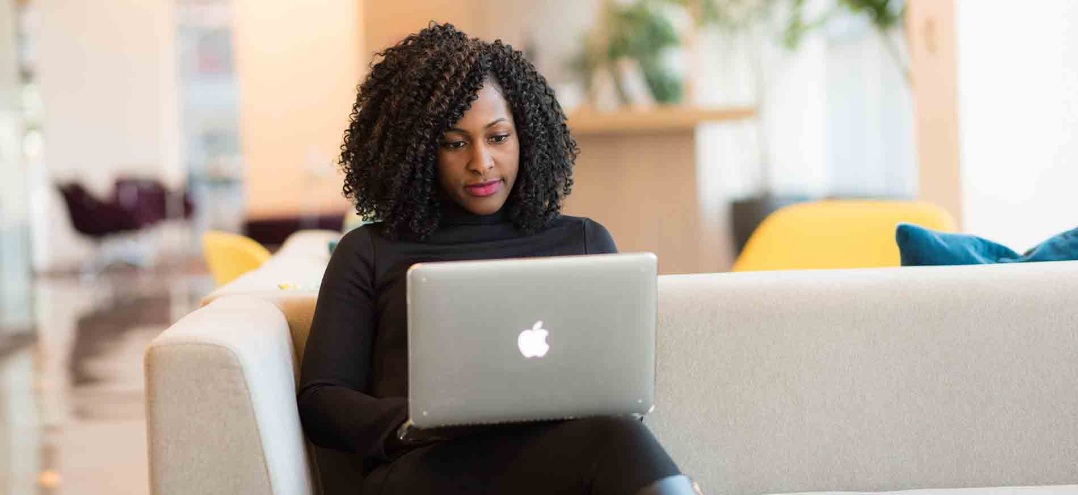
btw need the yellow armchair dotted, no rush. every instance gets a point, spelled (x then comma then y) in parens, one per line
(231, 255)
(836, 234)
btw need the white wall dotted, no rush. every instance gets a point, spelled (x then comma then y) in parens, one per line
(794, 115)
(869, 114)
(1018, 117)
(106, 70)
(835, 114)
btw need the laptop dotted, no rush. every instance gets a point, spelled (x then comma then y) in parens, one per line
(531, 339)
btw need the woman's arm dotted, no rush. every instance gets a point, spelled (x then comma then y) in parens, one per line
(333, 407)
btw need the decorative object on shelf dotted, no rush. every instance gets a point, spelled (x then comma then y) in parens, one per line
(634, 85)
(640, 39)
(631, 44)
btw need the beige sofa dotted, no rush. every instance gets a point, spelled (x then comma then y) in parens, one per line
(860, 380)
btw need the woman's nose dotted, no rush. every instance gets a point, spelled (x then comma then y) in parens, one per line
(481, 160)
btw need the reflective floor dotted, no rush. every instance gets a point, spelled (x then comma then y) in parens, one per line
(72, 417)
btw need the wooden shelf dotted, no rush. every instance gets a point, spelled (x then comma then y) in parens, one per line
(653, 120)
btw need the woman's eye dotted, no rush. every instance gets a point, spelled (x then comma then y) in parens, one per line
(499, 138)
(453, 145)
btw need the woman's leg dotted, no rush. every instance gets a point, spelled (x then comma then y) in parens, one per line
(589, 456)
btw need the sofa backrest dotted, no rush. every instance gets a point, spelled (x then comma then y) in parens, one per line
(864, 380)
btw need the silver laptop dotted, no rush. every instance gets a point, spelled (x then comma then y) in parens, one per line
(531, 339)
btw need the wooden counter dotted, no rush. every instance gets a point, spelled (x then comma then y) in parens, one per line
(638, 175)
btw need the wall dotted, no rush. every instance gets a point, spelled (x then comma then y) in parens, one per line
(549, 31)
(869, 113)
(794, 116)
(1018, 109)
(298, 65)
(387, 22)
(106, 71)
(835, 113)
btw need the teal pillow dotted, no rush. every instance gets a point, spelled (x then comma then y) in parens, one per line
(333, 245)
(921, 247)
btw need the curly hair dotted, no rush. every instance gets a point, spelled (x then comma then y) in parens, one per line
(419, 89)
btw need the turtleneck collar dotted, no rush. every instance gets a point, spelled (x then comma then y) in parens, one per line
(454, 214)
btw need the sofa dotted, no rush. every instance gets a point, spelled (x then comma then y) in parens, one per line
(934, 379)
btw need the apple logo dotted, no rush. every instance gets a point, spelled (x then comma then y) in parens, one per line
(532, 341)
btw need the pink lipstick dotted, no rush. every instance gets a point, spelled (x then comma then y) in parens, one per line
(484, 189)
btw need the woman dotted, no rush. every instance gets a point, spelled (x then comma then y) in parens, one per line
(459, 149)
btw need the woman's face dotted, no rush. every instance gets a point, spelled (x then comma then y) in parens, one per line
(478, 158)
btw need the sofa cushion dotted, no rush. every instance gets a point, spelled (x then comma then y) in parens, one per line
(1009, 490)
(920, 247)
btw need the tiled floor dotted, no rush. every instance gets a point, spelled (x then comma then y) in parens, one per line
(72, 417)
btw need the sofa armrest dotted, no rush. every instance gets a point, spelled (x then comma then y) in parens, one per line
(221, 407)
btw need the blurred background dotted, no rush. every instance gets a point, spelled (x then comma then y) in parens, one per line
(131, 128)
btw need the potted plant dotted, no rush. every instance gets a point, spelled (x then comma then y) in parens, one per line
(626, 53)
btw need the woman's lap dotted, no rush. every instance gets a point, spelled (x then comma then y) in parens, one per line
(596, 455)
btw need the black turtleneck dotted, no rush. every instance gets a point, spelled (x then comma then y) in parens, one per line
(354, 379)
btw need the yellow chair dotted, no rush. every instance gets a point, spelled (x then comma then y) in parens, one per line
(836, 234)
(231, 255)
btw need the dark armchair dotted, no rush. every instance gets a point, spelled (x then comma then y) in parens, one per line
(93, 217)
(148, 200)
(135, 206)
